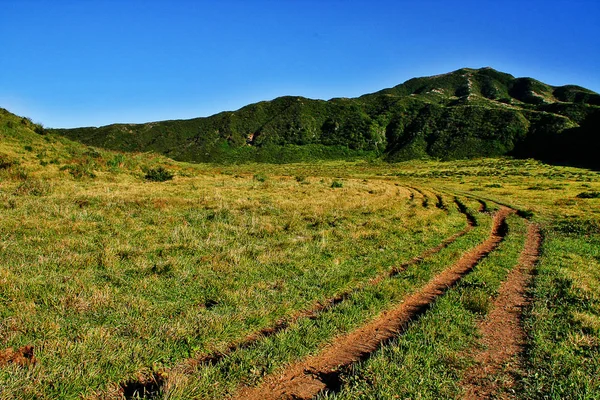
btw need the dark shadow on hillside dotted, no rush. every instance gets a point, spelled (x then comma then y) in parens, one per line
(575, 147)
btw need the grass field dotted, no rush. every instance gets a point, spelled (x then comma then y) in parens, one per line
(209, 283)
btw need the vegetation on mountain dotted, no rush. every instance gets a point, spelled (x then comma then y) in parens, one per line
(115, 286)
(463, 114)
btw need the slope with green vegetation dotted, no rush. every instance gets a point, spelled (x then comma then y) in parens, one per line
(464, 114)
(129, 274)
(108, 273)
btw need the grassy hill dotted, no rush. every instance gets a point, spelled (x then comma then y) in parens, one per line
(31, 157)
(116, 286)
(463, 114)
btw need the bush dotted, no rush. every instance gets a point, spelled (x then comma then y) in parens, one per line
(588, 195)
(39, 129)
(528, 214)
(19, 174)
(116, 162)
(91, 152)
(260, 177)
(336, 184)
(6, 162)
(159, 174)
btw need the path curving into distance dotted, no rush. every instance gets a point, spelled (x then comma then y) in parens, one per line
(149, 386)
(327, 304)
(503, 335)
(315, 374)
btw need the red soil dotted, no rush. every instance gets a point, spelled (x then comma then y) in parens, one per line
(309, 377)
(503, 337)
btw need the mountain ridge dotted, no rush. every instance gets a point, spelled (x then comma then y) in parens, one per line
(461, 114)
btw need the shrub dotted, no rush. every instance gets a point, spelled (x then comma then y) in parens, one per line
(6, 162)
(117, 161)
(39, 129)
(536, 187)
(19, 174)
(528, 214)
(159, 174)
(91, 152)
(588, 195)
(260, 177)
(336, 184)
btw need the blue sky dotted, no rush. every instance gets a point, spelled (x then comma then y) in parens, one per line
(90, 63)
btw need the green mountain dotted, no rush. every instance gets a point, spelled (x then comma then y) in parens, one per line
(462, 114)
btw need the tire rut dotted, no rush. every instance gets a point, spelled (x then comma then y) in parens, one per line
(189, 366)
(425, 198)
(503, 335)
(318, 373)
(327, 304)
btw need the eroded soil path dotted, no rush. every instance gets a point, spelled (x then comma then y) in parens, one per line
(315, 374)
(327, 304)
(503, 336)
(149, 386)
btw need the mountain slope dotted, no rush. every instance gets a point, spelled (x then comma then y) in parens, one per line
(462, 114)
(31, 156)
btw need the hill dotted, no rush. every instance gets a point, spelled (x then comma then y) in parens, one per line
(117, 284)
(463, 114)
(31, 156)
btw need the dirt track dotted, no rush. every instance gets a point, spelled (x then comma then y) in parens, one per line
(328, 303)
(313, 375)
(148, 386)
(503, 337)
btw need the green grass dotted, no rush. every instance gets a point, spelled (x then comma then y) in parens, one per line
(307, 336)
(429, 360)
(131, 270)
(111, 276)
(564, 321)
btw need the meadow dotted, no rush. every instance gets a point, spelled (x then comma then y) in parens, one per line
(117, 284)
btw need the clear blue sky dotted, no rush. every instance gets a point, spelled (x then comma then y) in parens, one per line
(89, 63)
